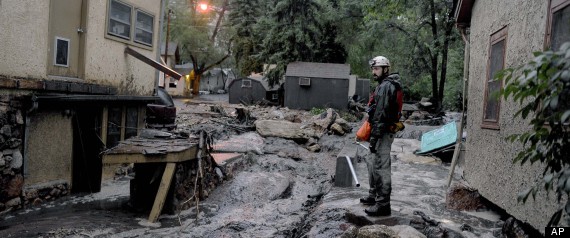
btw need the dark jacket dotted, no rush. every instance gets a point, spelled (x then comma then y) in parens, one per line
(385, 104)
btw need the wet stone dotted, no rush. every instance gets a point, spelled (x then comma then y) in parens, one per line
(14, 187)
(2, 162)
(17, 160)
(31, 194)
(19, 118)
(55, 192)
(6, 130)
(13, 143)
(375, 231)
(14, 202)
(37, 201)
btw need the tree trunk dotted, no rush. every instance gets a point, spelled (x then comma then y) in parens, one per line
(434, 55)
(444, 55)
(219, 21)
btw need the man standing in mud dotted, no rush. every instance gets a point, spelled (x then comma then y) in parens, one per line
(384, 113)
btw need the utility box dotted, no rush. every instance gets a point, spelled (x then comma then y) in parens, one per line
(343, 175)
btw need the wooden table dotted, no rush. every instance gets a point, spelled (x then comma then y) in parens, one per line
(155, 150)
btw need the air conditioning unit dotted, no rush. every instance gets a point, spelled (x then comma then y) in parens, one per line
(246, 83)
(305, 81)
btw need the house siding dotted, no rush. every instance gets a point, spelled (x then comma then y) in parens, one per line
(490, 170)
(24, 38)
(323, 93)
(112, 66)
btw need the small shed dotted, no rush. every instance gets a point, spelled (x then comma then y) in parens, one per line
(362, 89)
(321, 85)
(252, 89)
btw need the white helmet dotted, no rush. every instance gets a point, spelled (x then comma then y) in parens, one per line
(379, 61)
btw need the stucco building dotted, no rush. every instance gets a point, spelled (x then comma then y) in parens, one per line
(499, 35)
(75, 77)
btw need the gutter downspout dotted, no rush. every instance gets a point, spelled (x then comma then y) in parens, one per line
(158, 58)
(459, 143)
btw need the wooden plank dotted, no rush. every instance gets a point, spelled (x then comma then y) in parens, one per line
(162, 192)
(153, 63)
(170, 157)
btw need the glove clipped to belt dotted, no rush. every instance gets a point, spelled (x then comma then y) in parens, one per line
(398, 126)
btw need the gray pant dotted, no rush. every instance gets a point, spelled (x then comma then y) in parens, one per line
(379, 169)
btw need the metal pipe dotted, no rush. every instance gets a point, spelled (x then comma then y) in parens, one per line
(352, 170)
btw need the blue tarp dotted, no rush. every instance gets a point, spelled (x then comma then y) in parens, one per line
(439, 138)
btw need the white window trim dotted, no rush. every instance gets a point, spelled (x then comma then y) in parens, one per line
(109, 18)
(55, 51)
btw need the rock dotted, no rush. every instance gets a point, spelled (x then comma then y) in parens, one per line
(14, 202)
(2, 161)
(14, 187)
(418, 159)
(13, 143)
(283, 129)
(344, 124)
(271, 186)
(6, 130)
(37, 201)
(247, 142)
(30, 194)
(277, 115)
(337, 129)
(407, 231)
(376, 231)
(219, 173)
(462, 198)
(314, 148)
(19, 118)
(515, 228)
(55, 192)
(323, 121)
(17, 160)
(351, 232)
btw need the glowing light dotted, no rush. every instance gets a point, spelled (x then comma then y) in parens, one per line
(203, 6)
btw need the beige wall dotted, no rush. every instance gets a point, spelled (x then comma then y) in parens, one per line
(46, 162)
(105, 58)
(488, 161)
(24, 38)
(24, 32)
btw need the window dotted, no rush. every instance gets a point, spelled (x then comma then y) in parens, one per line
(275, 96)
(557, 33)
(495, 63)
(120, 19)
(246, 83)
(120, 24)
(558, 21)
(122, 123)
(61, 53)
(143, 28)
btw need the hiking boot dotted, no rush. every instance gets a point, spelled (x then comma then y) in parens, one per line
(379, 210)
(367, 200)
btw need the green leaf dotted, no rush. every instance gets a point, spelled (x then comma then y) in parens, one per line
(565, 116)
(524, 195)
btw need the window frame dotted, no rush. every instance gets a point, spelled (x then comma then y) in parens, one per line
(57, 39)
(496, 37)
(109, 18)
(553, 7)
(132, 28)
(137, 12)
(246, 85)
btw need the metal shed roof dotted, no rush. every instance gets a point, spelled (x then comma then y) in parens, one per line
(318, 70)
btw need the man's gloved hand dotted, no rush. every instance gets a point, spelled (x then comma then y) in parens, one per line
(373, 141)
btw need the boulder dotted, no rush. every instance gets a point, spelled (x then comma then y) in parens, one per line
(337, 129)
(283, 129)
(407, 231)
(17, 160)
(14, 202)
(376, 231)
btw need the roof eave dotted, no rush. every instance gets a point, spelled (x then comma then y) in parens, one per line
(463, 13)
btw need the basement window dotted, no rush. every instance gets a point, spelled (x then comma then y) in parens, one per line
(495, 63)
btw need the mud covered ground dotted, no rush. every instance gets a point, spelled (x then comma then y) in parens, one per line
(276, 195)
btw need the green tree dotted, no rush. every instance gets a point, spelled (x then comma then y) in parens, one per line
(425, 28)
(542, 88)
(246, 40)
(198, 41)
